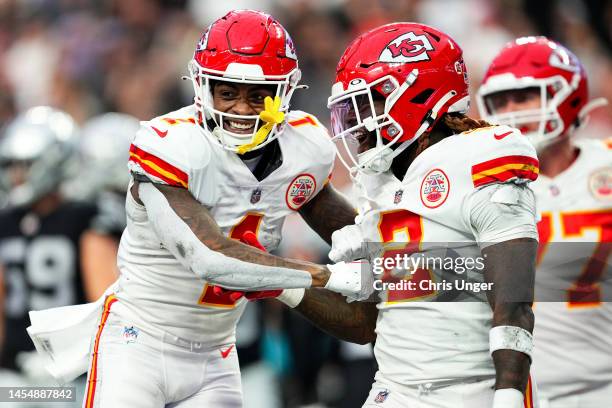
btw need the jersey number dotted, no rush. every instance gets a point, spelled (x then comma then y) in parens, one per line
(39, 274)
(401, 232)
(250, 222)
(585, 291)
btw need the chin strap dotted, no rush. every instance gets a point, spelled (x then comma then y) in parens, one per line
(271, 115)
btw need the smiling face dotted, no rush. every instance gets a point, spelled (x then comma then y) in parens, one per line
(240, 99)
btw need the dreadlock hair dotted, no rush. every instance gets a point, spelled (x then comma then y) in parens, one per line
(459, 122)
(448, 125)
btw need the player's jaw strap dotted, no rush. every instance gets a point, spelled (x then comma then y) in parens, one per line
(511, 338)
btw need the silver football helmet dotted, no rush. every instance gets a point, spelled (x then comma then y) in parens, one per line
(35, 154)
(104, 152)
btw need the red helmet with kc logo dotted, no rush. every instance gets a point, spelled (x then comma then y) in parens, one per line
(556, 76)
(417, 70)
(244, 46)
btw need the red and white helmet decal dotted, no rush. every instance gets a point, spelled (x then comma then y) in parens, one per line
(290, 47)
(408, 47)
(203, 43)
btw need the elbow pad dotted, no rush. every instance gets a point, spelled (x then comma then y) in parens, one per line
(209, 265)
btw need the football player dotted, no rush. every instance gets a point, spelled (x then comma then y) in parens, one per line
(103, 151)
(104, 146)
(234, 163)
(42, 234)
(539, 86)
(431, 174)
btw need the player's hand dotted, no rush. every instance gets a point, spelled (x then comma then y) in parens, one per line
(250, 238)
(352, 279)
(347, 244)
(233, 295)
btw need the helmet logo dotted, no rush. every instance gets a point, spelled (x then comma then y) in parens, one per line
(203, 43)
(289, 47)
(408, 47)
(560, 58)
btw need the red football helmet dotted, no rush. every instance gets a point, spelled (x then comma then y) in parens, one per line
(420, 73)
(248, 47)
(547, 68)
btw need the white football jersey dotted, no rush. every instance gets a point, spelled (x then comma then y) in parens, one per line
(432, 334)
(173, 149)
(573, 322)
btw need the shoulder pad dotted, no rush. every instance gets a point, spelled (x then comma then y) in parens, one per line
(297, 119)
(501, 154)
(167, 148)
(313, 132)
(594, 144)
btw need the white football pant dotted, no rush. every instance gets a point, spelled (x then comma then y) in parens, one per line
(149, 368)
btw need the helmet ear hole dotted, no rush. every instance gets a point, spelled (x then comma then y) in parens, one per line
(575, 102)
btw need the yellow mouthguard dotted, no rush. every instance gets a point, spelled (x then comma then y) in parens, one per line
(271, 116)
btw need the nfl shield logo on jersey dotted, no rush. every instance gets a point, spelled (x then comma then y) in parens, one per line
(300, 190)
(256, 196)
(398, 196)
(130, 334)
(434, 188)
(381, 397)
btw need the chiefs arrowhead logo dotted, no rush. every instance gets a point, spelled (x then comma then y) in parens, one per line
(289, 47)
(408, 47)
(203, 43)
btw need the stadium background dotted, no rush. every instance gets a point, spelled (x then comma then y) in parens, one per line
(92, 56)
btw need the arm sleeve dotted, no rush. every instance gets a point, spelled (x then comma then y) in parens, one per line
(209, 265)
(502, 212)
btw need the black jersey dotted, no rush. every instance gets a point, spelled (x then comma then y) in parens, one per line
(111, 218)
(41, 259)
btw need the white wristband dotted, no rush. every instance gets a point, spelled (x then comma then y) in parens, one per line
(510, 338)
(508, 398)
(291, 297)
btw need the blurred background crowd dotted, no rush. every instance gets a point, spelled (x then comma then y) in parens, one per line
(88, 57)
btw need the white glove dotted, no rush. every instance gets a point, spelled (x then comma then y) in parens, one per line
(508, 398)
(347, 244)
(352, 279)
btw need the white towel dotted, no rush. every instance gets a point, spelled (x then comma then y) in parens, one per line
(63, 336)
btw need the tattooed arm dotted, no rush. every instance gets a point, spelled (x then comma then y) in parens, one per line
(175, 209)
(327, 212)
(353, 322)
